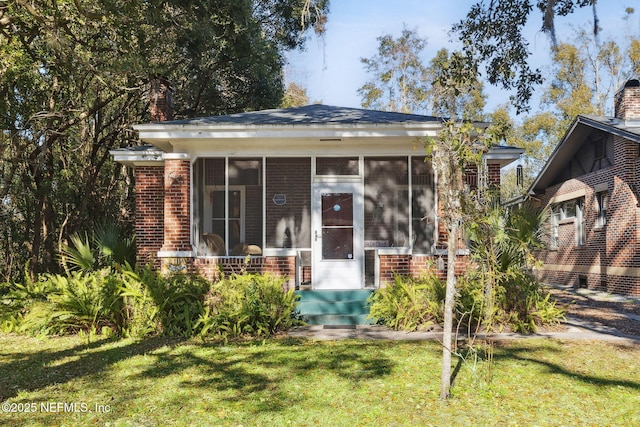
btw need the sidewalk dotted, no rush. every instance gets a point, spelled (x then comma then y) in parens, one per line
(577, 329)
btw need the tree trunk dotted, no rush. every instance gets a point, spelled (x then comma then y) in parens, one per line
(447, 334)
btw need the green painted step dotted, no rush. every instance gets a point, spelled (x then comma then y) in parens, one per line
(334, 307)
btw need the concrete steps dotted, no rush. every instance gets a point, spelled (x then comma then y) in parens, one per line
(334, 307)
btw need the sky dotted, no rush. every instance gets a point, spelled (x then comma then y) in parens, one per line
(331, 71)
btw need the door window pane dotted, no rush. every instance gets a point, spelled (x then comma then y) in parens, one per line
(337, 209)
(337, 243)
(337, 226)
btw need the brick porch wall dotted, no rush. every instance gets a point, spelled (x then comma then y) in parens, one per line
(281, 266)
(414, 266)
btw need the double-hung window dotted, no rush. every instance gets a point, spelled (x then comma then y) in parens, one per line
(602, 199)
(570, 211)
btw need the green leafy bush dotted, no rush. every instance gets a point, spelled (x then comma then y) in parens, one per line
(17, 298)
(252, 304)
(58, 304)
(123, 302)
(408, 304)
(179, 300)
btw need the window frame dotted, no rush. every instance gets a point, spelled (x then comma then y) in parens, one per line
(566, 212)
(602, 205)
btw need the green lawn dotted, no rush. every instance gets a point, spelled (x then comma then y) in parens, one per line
(308, 383)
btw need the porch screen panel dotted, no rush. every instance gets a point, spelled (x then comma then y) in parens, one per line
(245, 206)
(386, 202)
(288, 202)
(228, 218)
(209, 213)
(423, 213)
(337, 166)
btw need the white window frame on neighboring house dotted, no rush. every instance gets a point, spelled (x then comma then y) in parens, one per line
(554, 239)
(602, 201)
(581, 229)
(566, 212)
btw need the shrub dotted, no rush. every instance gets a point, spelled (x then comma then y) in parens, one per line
(408, 304)
(57, 304)
(179, 300)
(252, 304)
(127, 303)
(17, 298)
(518, 302)
(107, 246)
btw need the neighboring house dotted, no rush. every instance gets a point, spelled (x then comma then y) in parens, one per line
(591, 185)
(340, 198)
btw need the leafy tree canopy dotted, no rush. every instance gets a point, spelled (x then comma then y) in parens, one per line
(492, 34)
(74, 76)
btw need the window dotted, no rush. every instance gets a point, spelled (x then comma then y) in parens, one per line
(554, 239)
(571, 211)
(581, 235)
(565, 210)
(602, 199)
(234, 214)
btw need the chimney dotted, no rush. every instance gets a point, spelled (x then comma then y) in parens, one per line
(626, 102)
(160, 100)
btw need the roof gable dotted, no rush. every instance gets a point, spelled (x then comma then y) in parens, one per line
(581, 131)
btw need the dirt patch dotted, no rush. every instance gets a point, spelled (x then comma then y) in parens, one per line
(624, 316)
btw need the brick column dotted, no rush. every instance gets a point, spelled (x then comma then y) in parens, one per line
(177, 252)
(149, 216)
(493, 175)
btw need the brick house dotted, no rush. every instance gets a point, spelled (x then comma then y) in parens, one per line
(338, 198)
(590, 185)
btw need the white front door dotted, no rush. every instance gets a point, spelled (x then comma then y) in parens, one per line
(337, 240)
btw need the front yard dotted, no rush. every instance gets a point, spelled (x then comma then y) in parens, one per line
(286, 381)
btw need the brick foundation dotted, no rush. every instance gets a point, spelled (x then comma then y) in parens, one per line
(281, 266)
(415, 266)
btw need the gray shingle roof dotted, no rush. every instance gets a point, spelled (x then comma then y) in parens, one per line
(316, 114)
(628, 128)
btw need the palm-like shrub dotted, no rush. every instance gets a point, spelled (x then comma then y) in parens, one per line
(108, 246)
(497, 290)
(502, 248)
